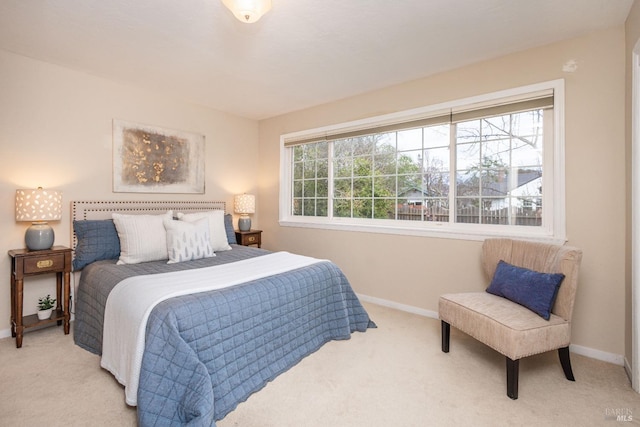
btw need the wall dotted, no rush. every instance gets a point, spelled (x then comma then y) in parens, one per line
(55, 132)
(414, 271)
(632, 29)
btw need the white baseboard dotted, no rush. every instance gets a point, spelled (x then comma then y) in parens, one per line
(398, 306)
(616, 359)
(5, 333)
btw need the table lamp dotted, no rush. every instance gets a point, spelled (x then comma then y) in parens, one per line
(39, 206)
(244, 204)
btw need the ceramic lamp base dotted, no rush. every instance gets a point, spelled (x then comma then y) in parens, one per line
(39, 236)
(244, 223)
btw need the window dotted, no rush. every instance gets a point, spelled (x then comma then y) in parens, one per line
(473, 168)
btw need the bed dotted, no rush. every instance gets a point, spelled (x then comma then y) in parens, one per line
(195, 333)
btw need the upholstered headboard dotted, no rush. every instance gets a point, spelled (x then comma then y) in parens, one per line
(83, 210)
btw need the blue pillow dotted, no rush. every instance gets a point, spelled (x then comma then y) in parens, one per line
(534, 290)
(228, 227)
(97, 240)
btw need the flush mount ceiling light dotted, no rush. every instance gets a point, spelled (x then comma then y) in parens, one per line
(248, 11)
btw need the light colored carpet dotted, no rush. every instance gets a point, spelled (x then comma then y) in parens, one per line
(395, 375)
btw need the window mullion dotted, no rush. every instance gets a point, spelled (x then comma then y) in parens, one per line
(330, 180)
(452, 173)
(481, 173)
(352, 187)
(513, 175)
(423, 204)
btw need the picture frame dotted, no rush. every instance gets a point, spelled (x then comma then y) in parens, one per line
(153, 159)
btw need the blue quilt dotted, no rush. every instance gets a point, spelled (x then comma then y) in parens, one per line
(208, 352)
(205, 353)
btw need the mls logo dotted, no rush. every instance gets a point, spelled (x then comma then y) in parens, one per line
(619, 414)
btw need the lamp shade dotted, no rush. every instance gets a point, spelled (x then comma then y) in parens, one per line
(248, 11)
(244, 204)
(39, 206)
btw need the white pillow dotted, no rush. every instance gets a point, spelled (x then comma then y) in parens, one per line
(142, 237)
(188, 240)
(217, 232)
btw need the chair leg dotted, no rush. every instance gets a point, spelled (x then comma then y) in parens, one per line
(446, 334)
(565, 361)
(512, 378)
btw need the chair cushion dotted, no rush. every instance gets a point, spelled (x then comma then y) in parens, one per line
(503, 325)
(534, 290)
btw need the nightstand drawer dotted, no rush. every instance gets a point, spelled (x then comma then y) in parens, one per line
(251, 237)
(43, 263)
(252, 240)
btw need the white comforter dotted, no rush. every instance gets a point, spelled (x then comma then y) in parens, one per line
(131, 301)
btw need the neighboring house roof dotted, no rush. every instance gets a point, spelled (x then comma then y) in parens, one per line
(505, 186)
(413, 192)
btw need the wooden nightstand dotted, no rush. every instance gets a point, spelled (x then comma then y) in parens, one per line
(25, 263)
(248, 238)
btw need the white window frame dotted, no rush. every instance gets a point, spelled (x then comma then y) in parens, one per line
(553, 228)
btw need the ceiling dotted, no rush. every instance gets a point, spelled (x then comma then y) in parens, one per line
(300, 54)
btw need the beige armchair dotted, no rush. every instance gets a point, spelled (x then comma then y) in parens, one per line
(508, 327)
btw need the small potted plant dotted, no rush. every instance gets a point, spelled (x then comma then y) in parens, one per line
(45, 307)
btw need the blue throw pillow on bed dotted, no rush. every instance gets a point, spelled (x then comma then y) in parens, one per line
(97, 240)
(534, 290)
(228, 227)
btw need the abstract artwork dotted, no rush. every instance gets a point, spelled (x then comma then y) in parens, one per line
(150, 159)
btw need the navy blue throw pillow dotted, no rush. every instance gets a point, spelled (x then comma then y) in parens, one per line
(97, 240)
(228, 226)
(534, 290)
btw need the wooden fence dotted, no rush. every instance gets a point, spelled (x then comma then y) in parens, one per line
(470, 215)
